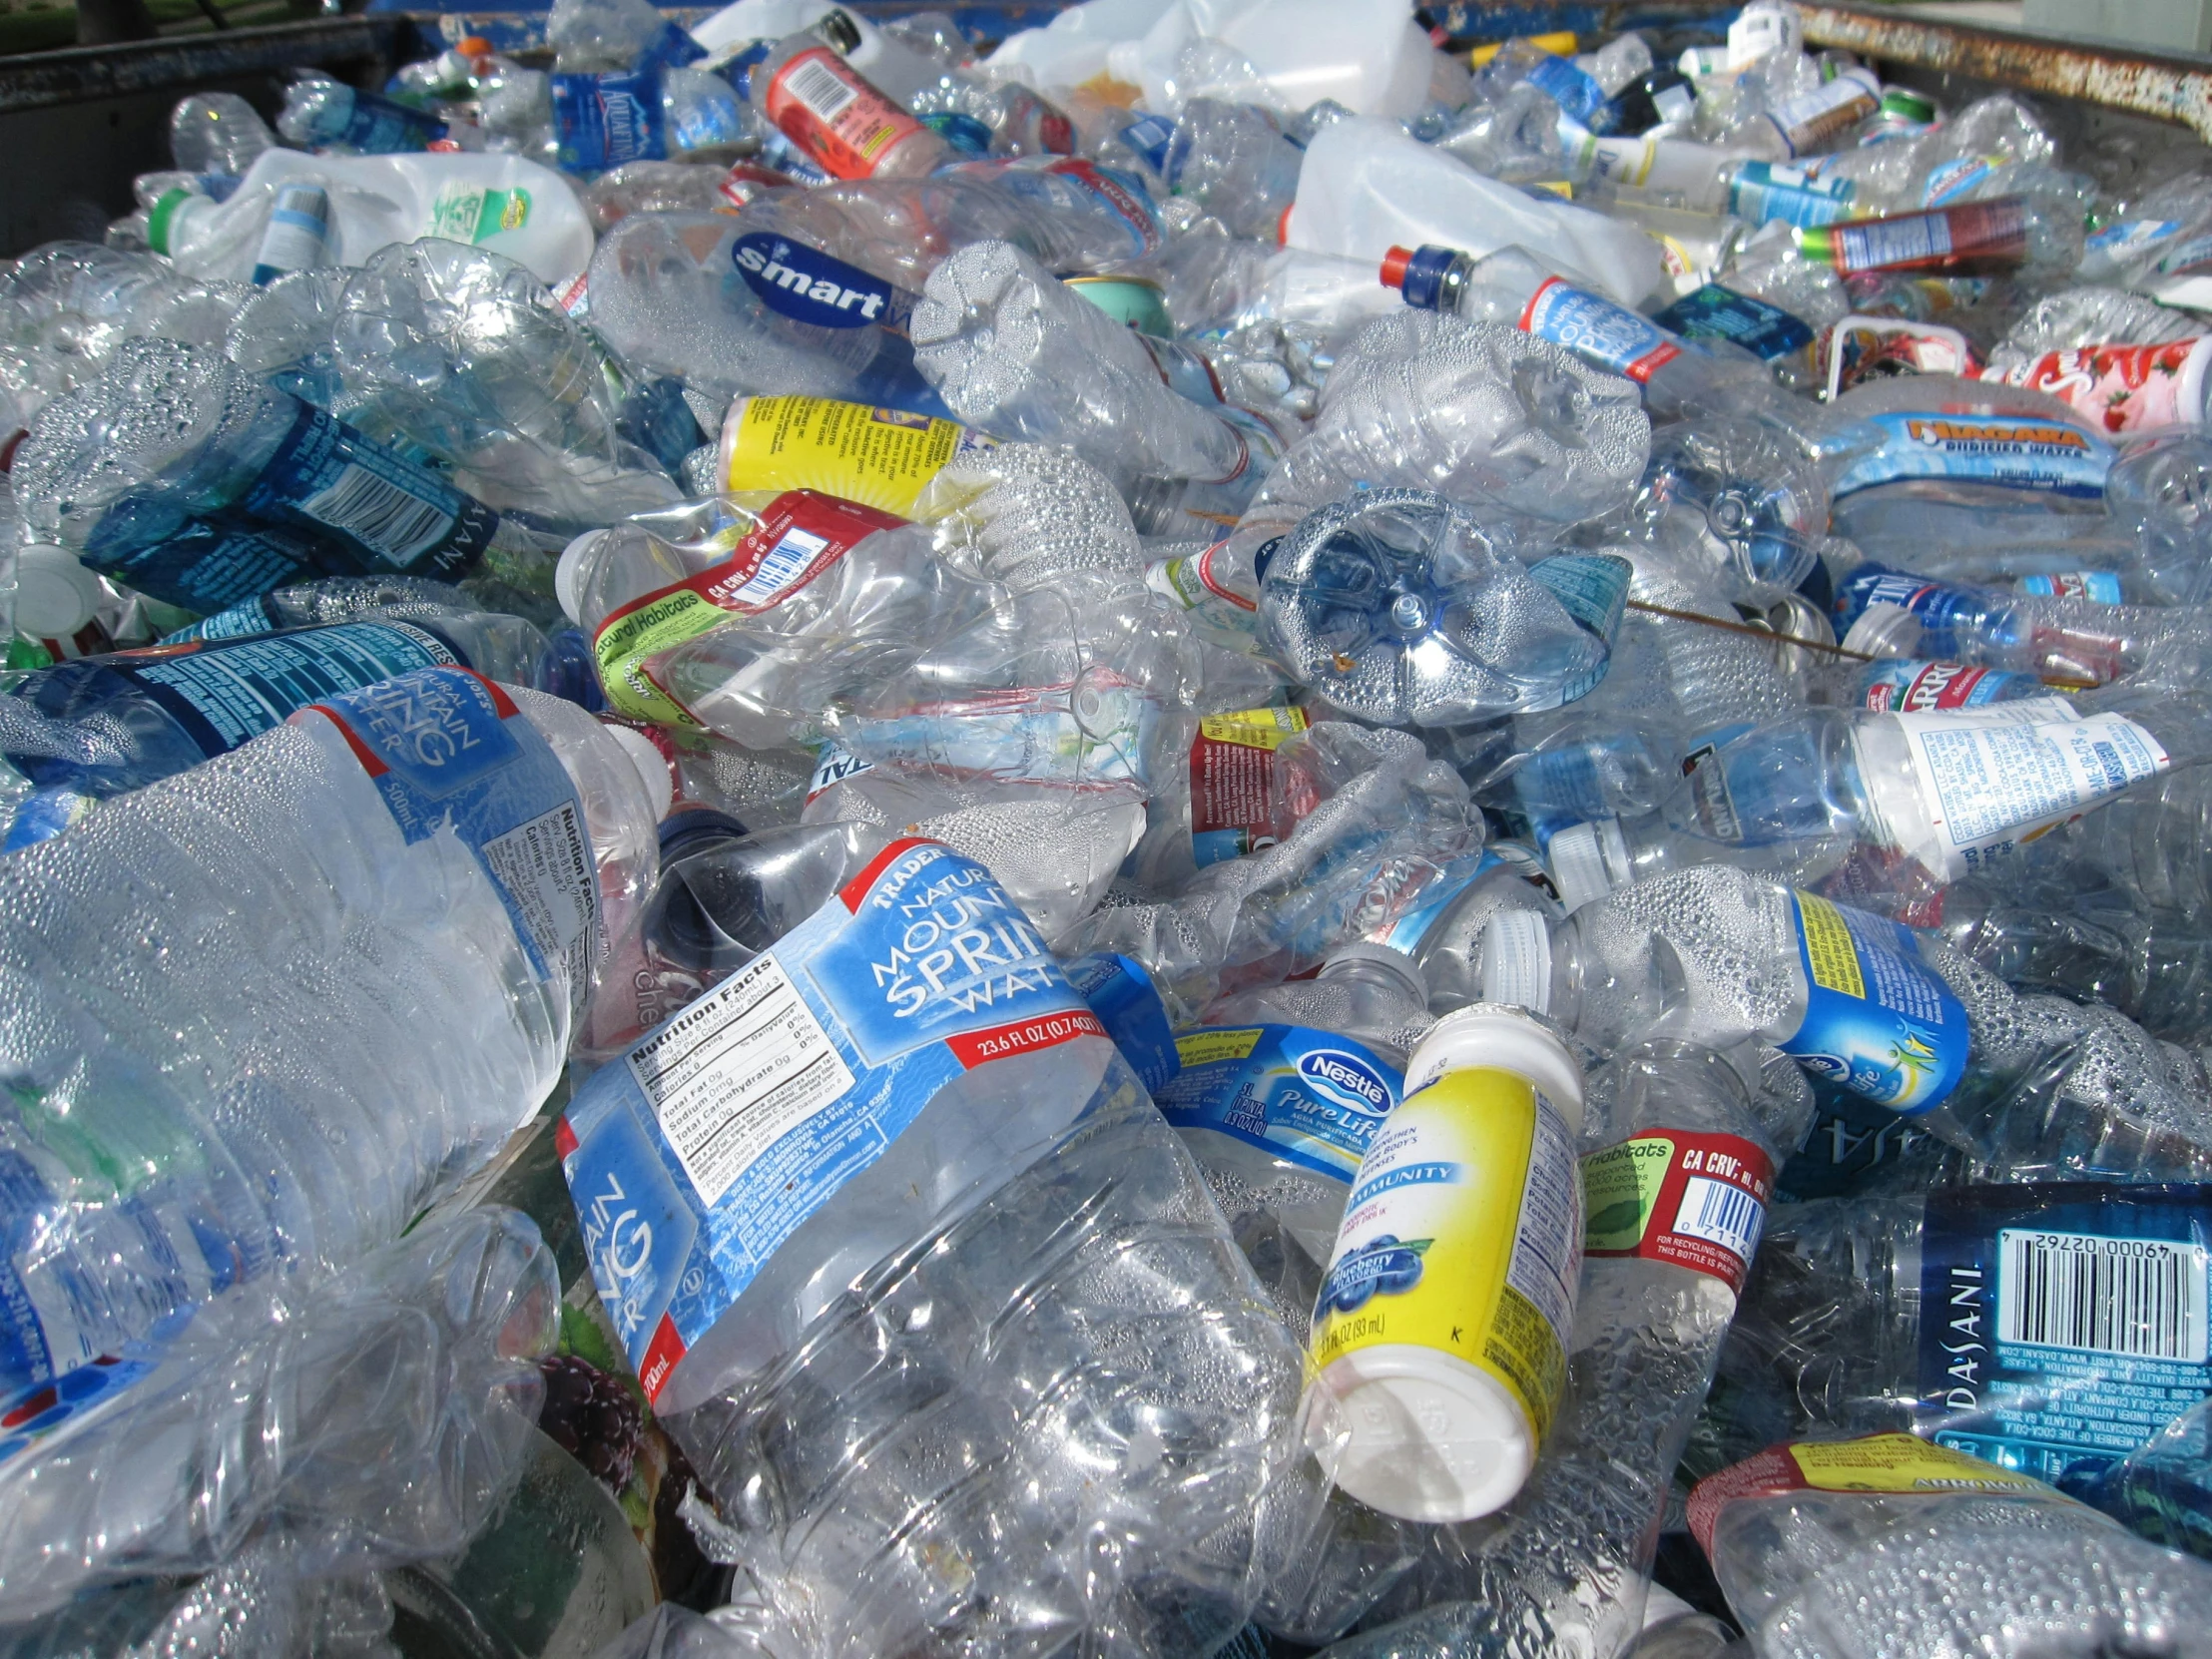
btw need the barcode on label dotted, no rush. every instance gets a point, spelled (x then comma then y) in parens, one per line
(397, 525)
(2141, 1298)
(1722, 1213)
(781, 568)
(815, 85)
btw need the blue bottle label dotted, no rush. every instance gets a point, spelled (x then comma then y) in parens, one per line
(1878, 1019)
(672, 47)
(812, 287)
(2061, 1325)
(2021, 452)
(205, 566)
(225, 692)
(1312, 1098)
(381, 127)
(1914, 687)
(1123, 998)
(2100, 587)
(1716, 313)
(242, 621)
(1597, 330)
(729, 1124)
(603, 119)
(447, 747)
(1576, 93)
(372, 508)
(1764, 190)
(1942, 609)
(1149, 136)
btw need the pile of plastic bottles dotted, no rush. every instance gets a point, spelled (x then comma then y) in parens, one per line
(1229, 833)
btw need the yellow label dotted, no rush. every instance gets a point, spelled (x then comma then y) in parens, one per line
(1828, 947)
(879, 457)
(1255, 728)
(1559, 43)
(1463, 1234)
(1203, 1048)
(1902, 1464)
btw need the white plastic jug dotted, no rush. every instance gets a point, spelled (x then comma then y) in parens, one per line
(503, 202)
(1368, 188)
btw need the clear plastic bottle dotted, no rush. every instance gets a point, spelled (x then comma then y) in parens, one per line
(1040, 1133)
(183, 476)
(1946, 1549)
(85, 731)
(324, 114)
(1515, 288)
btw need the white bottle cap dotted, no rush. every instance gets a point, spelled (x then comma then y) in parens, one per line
(55, 595)
(1578, 869)
(1430, 1438)
(1508, 1040)
(1516, 961)
(568, 575)
(660, 787)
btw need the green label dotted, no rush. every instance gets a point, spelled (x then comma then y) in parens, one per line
(626, 640)
(1621, 1188)
(474, 214)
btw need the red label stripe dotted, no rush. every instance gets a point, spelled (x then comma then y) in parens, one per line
(1024, 1036)
(855, 891)
(661, 1355)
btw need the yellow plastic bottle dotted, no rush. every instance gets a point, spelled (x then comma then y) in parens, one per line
(1440, 1339)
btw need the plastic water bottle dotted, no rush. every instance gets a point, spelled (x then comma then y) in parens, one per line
(1813, 1562)
(1233, 160)
(324, 114)
(1374, 604)
(2058, 1089)
(958, 1113)
(84, 730)
(187, 478)
(1017, 354)
(1513, 288)
(749, 615)
(463, 917)
(218, 131)
(1566, 442)
(1280, 1093)
(461, 1311)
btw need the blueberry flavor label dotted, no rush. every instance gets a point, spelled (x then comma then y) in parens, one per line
(225, 692)
(1714, 313)
(1311, 1098)
(1597, 330)
(2021, 452)
(2061, 1325)
(1233, 809)
(1878, 1019)
(799, 536)
(1985, 782)
(384, 511)
(738, 1118)
(449, 748)
(1695, 1200)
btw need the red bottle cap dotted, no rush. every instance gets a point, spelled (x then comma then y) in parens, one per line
(1393, 266)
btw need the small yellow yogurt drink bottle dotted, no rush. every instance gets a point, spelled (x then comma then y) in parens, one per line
(1440, 1341)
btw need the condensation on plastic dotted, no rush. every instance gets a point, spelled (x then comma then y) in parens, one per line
(364, 1420)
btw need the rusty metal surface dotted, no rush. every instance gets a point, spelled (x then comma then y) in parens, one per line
(2167, 88)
